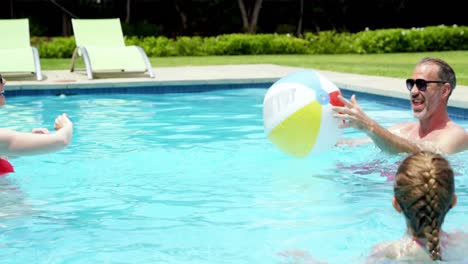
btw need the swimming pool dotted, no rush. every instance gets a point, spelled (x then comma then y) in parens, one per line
(191, 178)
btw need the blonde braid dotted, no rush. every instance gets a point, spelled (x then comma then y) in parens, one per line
(424, 190)
(431, 231)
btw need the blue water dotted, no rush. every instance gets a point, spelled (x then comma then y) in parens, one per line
(191, 178)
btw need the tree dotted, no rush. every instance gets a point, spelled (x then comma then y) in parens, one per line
(249, 14)
(127, 12)
(180, 8)
(301, 15)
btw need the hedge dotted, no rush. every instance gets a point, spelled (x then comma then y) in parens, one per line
(434, 38)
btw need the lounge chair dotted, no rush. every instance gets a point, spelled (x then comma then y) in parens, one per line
(101, 44)
(16, 53)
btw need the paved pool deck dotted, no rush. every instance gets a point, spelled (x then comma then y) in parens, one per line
(219, 74)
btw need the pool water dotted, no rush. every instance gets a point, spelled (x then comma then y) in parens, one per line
(191, 178)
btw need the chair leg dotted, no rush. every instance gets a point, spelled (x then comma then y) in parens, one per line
(147, 62)
(37, 64)
(89, 70)
(74, 56)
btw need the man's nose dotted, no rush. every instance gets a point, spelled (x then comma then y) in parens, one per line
(414, 89)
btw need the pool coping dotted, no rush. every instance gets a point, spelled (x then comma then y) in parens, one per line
(223, 75)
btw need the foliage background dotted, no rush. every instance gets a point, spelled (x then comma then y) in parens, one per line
(172, 18)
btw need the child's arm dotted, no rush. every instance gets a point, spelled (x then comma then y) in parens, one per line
(14, 143)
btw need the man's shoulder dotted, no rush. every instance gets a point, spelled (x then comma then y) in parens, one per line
(402, 126)
(456, 131)
(456, 127)
(454, 138)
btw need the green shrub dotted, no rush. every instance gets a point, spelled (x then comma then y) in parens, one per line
(190, 46)
(240, 44)
(379, 41)
(57, 47)
(437, 38)
(330, 42)
(288, 44)
(154, 46)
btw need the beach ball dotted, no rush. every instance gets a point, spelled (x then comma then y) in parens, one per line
(298, 116)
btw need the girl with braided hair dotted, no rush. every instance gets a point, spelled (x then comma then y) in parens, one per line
(424, 192)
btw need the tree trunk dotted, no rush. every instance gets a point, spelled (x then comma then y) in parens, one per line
(127, 16)
(12, 13)
(255, 14)
(66, 26)
(244, 16)
(183, 17)
(301, 13)
(250, 19)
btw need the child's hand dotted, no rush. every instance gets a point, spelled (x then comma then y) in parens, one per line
(62, 121)
(40, 130)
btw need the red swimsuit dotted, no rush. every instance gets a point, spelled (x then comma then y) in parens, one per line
(5, 167)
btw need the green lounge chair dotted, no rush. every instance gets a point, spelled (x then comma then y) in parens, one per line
(101, 44)
(16, 53)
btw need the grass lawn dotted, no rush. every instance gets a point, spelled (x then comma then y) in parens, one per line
(398, 65)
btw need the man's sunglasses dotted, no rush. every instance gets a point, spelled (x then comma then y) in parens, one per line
(421, 84)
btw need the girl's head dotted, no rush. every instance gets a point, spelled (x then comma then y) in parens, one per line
(424, 191)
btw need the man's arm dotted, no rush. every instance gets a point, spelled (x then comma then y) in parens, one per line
(384, 139)
(353, 141)
(389, 142)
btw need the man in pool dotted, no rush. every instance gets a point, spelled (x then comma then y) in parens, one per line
(430, 87)
(40, 140)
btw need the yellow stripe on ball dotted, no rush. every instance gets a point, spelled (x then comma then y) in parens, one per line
(297, 134)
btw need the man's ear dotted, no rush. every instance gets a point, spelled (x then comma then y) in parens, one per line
(454, 200)
(447, 89)
(396, 205)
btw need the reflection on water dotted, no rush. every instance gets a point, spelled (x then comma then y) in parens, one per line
(12, 202)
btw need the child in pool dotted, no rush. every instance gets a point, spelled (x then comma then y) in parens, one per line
(39, 141)
(424, 192)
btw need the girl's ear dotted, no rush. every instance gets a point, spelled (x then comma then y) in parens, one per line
(454, 200)
(396, 205)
